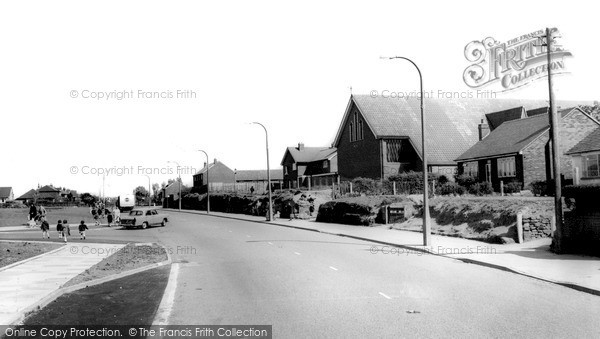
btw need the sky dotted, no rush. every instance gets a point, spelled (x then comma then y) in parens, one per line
(193, 75)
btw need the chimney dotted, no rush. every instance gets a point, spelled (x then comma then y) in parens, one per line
(205, 164)
(214, 162)
(484, 130)
(300, 146)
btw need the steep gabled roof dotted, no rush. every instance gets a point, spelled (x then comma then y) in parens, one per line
(590, 143)
(309, 154)
(451, 123)
(5, 192)
(258, 175)
(537, 111)
(511, 136)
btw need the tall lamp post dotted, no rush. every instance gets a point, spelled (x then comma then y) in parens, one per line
(207, 183)
(426, 223)
(270, 217)
(149, 189)
(179, 176)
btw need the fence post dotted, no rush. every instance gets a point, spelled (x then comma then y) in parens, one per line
(333, 190)
(520, 227)
(393, 190)
(385, 211)
(309, 182)
(501, 188)
(552, 226)
(351, 191)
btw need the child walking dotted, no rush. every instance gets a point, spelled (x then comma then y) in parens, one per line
(45, 227)
(82, 228)
(59, 229)
(66, 229)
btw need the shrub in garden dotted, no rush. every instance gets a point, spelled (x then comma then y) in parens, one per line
(481, 188)
(465, 180)
(450, 188)
(513, 187)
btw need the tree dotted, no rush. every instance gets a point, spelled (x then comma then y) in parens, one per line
(141, 193)
(88, 198)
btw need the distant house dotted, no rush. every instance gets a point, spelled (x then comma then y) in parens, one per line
(518, 149)
(585, 157)
(309, 166)
(28, 197)
(257, 179)
(170, 194)
(6, 194)
(218, 174)
(48, 194)
(379, 137)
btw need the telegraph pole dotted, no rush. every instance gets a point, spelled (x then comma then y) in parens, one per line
(554, 119)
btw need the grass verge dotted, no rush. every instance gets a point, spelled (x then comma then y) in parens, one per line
(130, 257)
(12, 252)
(132, 300)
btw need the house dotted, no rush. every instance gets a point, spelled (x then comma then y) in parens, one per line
(381, 136)
(218, 174)
(309, 166)
(519, 150)
(48, 194)
(28, 197)
(6, 194)
(585, 157)
(257, 179)
(170, 193)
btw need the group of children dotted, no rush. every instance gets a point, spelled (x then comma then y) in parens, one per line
(63, 229)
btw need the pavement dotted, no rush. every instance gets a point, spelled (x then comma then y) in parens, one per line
(24, 284)
(533, 259)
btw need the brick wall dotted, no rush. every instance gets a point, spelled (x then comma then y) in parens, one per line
(358, 158)
(536, 227)
(534, 161)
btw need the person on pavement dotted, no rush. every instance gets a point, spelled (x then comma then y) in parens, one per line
(82, 228)
(66, 229)
(60, 229)
(45, 227)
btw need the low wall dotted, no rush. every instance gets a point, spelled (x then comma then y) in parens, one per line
(536, 227)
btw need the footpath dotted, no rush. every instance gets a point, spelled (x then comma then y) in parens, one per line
(533, 259)
(23, 285)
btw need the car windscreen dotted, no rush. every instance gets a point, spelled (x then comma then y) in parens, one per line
(136, 213)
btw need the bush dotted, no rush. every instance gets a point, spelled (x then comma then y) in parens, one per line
(465, 180)
(368, 186)
(513, 187)
(481, 188)
(412, 182)
(450, 188)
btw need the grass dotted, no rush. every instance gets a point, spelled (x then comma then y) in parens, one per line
(12, 252)
(131, 300)
(129, 257)
(20, 216)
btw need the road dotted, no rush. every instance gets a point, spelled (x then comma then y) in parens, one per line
(308, 284)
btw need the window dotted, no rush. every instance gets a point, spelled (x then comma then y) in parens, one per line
(356, 128)
(590, 166)
(471, 169)
(506, 167)
(325, 164)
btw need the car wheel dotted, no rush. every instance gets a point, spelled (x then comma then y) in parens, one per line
(164, 223)
(145, 225)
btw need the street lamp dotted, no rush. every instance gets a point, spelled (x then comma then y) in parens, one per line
(426, 224)
(207, 184)
(268, 172)
(179, 175)
(149, 189)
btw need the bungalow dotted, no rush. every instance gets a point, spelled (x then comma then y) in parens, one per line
(518, 149)
(28, 197)
(585, 156)
(257, 179)
(309, 166)
(49, 194)
(380, 137)
(6, 194)
(170, 193)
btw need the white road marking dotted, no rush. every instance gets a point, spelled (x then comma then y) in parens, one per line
(168, 300)
(270, 243)
(296, 253)
(333, 268)
(385, 296)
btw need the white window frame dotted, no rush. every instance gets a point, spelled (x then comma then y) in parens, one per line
(507, 167)
(584, 164)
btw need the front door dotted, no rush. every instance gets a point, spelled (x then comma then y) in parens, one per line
(488, 171)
